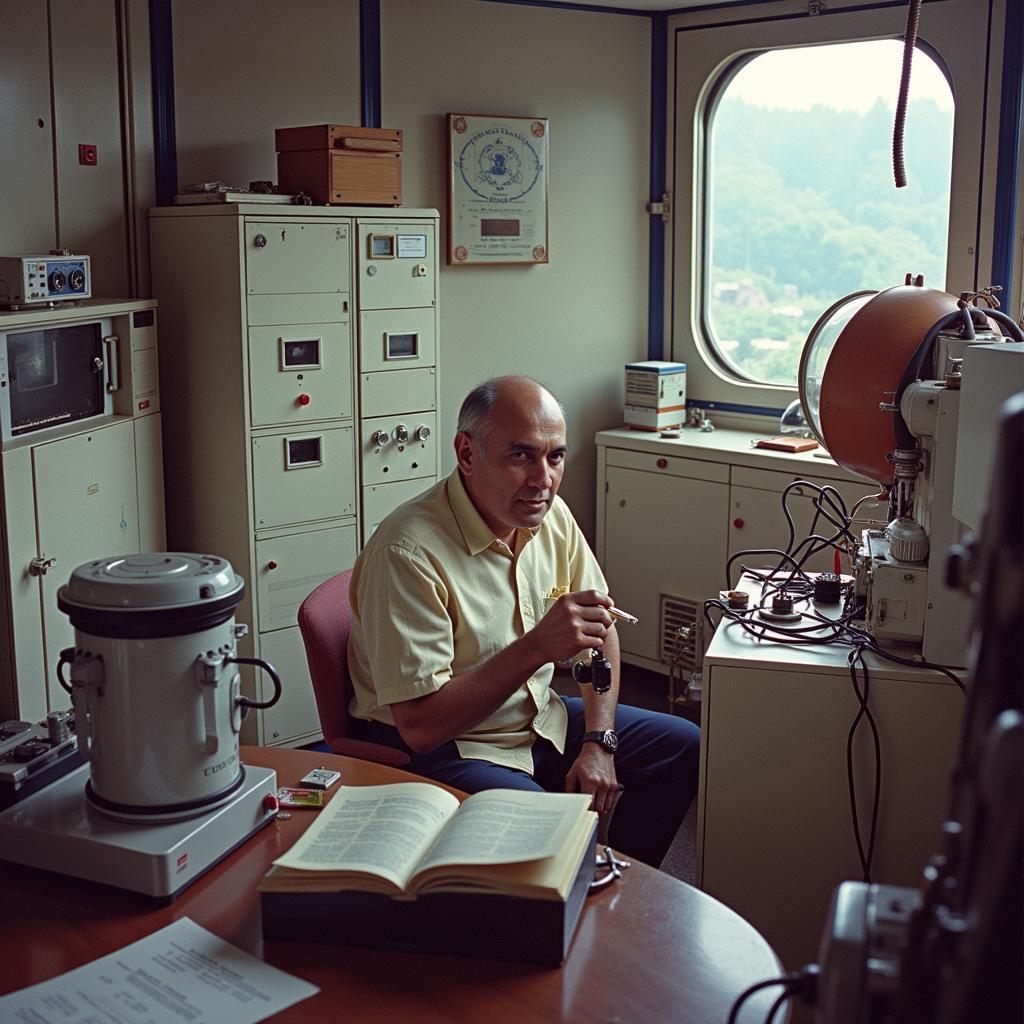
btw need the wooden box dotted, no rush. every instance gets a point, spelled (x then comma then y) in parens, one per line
(341, 164)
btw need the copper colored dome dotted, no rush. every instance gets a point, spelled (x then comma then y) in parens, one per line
(864, 370)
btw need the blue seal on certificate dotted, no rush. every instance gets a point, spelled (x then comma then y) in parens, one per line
(499, 165)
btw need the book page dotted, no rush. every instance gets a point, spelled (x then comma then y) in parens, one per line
(383, 830)
(503, 826)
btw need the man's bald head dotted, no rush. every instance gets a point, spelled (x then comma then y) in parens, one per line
(500, 397)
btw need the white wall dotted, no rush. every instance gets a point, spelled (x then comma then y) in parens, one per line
(575, 321)
(243, 68)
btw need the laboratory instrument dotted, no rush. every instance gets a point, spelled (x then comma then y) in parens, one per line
(898, 386)
(158, 709)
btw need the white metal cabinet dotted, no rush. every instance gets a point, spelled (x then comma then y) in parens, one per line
(73, 493)
(664, 542)
(269, 444)
(774, 819)
(396, 280)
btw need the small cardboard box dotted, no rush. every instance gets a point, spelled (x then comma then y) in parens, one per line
(341, 164)
(655, 395)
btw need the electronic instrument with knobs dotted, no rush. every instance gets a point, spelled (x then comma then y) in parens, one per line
(44, 280)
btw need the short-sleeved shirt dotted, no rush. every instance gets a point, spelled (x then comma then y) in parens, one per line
(435, 594)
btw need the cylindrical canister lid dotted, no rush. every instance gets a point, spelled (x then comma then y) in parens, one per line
(162, 593)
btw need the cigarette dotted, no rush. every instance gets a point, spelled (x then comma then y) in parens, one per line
(618, 613)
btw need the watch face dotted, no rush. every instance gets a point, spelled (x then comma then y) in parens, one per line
(610, 741)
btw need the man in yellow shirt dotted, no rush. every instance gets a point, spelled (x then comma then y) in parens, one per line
(463, 602)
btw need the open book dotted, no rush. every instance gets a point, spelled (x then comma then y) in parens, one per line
(409, 838)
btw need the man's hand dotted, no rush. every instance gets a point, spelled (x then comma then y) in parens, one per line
(594, 772)
(575, 622)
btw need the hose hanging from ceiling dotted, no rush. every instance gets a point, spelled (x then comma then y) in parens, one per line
(909, 42)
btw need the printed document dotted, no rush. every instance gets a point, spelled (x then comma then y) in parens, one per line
(179, 973)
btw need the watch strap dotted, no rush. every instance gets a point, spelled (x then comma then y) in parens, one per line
(602, 737)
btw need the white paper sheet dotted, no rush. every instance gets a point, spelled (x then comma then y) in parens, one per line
(181, 973)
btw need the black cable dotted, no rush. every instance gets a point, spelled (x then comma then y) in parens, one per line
(866, 857)
(1007, 324)
(776, 1005)
(914, 663)
(786, 979)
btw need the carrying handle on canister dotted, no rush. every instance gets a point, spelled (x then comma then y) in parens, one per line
(85, 687)
(247, 702)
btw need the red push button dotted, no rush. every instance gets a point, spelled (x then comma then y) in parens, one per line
(303, 399)
(738, 523)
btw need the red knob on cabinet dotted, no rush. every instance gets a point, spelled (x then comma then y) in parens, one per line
(738, 523)
(271, 564)
(662, 463)
(303, 399)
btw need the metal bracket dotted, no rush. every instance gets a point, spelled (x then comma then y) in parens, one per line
(662, 209)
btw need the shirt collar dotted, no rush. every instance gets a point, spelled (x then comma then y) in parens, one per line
(475, 532)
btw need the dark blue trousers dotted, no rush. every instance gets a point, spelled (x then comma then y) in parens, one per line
(656, 763)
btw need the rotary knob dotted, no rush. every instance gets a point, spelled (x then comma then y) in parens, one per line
(422, 433)
(57, 281)
(400, 434)
(380, 438)
(77, 279)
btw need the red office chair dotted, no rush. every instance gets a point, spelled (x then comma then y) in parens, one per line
(325, 620)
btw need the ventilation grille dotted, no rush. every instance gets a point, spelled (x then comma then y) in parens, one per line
(678, 613)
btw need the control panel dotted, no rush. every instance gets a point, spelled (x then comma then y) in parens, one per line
(32, 280)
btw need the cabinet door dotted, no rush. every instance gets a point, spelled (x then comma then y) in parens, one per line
(775, 832)
(289, 568)
(300, 374)
(396, 264)
(664, 535)
(87, 507)
(294, 718)
(757, 520)
(303, 476)
(290, 257)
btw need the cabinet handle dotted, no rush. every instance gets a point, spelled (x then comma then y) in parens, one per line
(260, 241)
(662, 463)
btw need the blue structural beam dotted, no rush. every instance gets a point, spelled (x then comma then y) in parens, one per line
(1008, 161)
(656, 242)
(369, 55)
(165, 150)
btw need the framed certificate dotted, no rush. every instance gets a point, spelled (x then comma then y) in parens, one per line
(497, 189)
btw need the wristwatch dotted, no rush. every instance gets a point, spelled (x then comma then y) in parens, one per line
(609, 739)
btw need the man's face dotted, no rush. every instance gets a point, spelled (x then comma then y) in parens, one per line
(513, 477)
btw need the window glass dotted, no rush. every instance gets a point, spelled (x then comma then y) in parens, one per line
(800, 204)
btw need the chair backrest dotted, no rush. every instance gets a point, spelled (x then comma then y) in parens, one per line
(325, 621)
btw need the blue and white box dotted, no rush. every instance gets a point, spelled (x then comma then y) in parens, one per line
(655, 395)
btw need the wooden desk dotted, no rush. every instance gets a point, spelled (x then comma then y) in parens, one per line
(648, 948)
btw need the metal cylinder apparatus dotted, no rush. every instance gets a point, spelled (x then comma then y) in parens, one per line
(154, 682)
